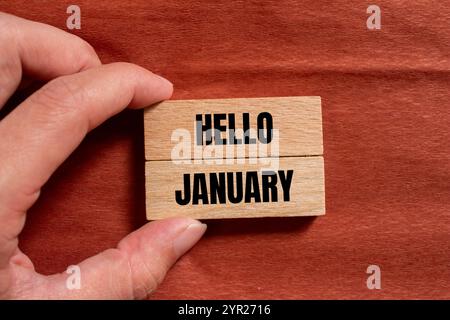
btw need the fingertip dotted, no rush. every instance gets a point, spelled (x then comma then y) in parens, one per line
(181, 233)
(155, 247)
(158, 89)
(166, 84)
(158, 232)
(89, 56)
(153, 88)
(185, 233)
(163, 90)
(168, 88)
(188, 238)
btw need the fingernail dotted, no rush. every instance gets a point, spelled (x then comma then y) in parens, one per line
(166, 86)
(188, 238)
(165, 81)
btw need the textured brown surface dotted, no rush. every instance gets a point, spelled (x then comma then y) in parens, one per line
(385, 99)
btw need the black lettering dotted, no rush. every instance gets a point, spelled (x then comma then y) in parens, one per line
(269, 183)
(187, 191)
(252, 187)
(217, 187)
(246, 126)
(239, 190)
(230, 185)
(265, 133)
(203, 128)
(232, 129)
(286, 183)
(199, 190)
(219, 128)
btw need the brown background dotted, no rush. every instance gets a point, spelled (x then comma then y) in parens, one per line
(386, 119)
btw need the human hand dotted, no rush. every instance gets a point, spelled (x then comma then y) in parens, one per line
(40, 133)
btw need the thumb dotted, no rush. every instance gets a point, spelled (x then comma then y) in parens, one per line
(136, 267)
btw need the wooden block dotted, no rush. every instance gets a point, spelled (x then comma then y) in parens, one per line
(234, 158)
(296, 188)
(297, 120)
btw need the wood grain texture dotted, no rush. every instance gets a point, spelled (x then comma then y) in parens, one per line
(306, 189)
(297, 119)
(385, 126)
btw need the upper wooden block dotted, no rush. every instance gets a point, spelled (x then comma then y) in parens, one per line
(296, 123)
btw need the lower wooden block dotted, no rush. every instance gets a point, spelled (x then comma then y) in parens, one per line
(289, 186)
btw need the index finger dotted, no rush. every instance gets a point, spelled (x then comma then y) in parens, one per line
(41, 132)
(40, 50)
